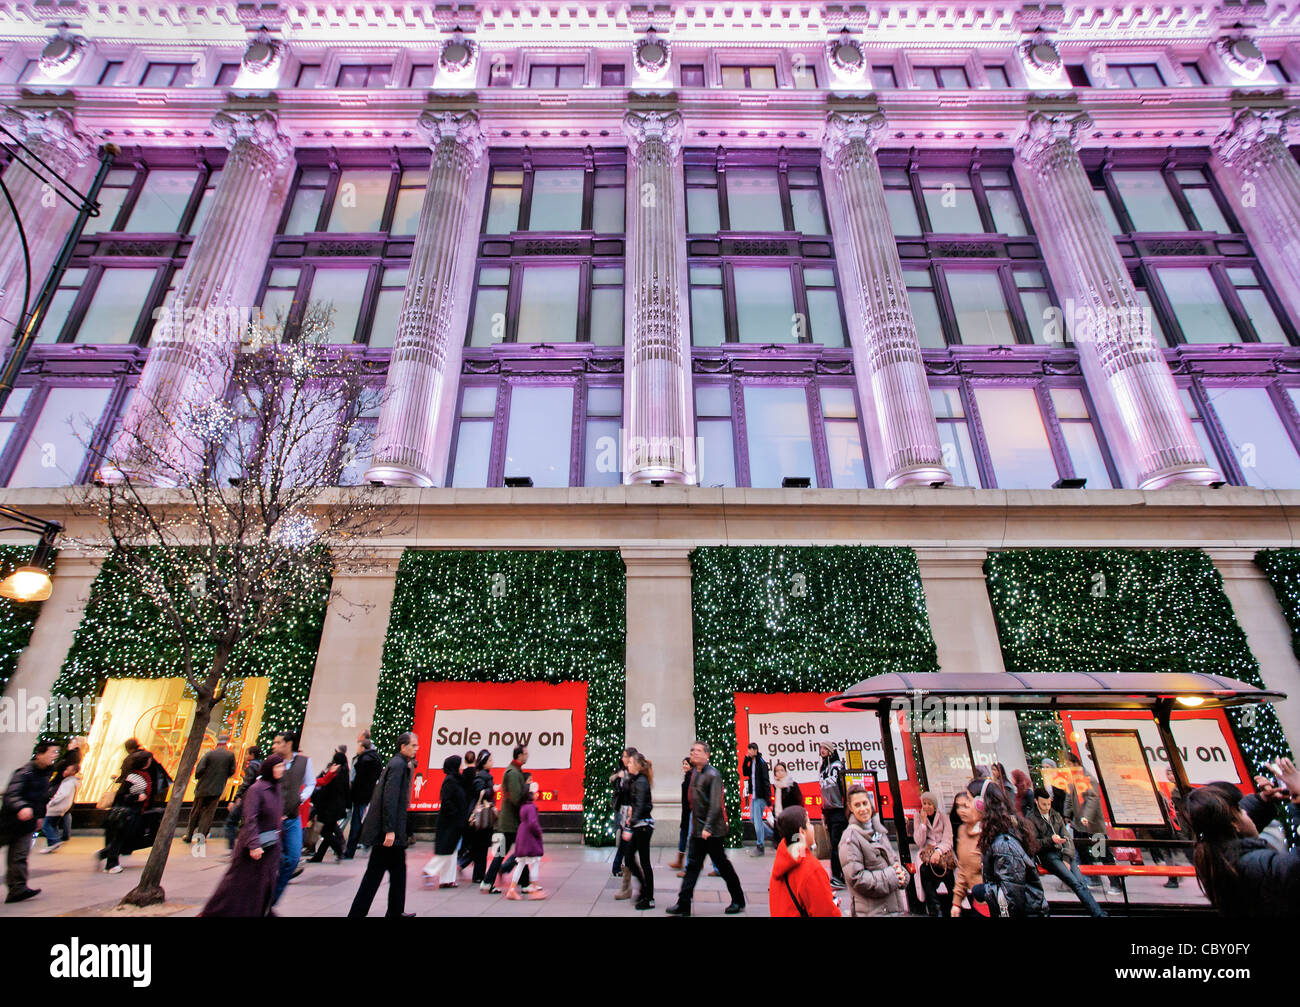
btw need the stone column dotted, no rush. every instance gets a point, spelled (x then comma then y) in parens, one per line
(406, 440)
(660, 688)
(891, 374)
(196, 339)
(52, 136)
(660, 444)
(345, 683)
(1125, 368)
(1264, 185)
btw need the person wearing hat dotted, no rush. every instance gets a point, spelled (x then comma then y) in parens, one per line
(211, 776)
(248, 886)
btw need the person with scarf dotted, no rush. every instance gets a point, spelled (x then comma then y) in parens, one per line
(453, 812)
(935, 858)
(832, 787)
(798, 885)
(875, 877)
(249, 882)
(785, 792)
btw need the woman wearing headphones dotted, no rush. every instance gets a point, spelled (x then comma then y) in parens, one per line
(1007, 847)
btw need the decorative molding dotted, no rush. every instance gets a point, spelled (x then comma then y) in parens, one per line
(651, 56)
(459, 56)
(63, 53)
(263, 57)
(847, 58)
(843, 130)
(643, 128)
(462, 131)
(1240, 55)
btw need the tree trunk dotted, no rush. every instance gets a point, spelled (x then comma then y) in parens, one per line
(150, 891)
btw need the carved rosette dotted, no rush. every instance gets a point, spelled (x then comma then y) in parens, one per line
(894, 373)
(1241, 55)
(651, 56)
(406, 437)
(659, 442)
(1109, 322)
(62, 54)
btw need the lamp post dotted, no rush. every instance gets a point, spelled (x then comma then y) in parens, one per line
(30, 582)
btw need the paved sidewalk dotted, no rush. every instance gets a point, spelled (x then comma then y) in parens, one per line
(577, 879)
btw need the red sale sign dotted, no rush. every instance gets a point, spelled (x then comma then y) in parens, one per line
(452, 718)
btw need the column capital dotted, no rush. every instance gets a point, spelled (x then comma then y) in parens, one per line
(1044, 133)
(448, 127)
(260, 131)
(843, 131)
(55, 129)
(642, 128)
(1239, 144)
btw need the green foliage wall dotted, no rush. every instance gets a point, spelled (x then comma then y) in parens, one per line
(17, 619)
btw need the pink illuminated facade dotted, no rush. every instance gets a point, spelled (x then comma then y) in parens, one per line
(952, 276)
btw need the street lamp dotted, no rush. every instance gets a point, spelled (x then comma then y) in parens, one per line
(32, 581)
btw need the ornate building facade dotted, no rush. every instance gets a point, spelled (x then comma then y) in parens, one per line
(650, 277)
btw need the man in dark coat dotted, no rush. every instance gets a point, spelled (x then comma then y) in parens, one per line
(366, 767)
(760, 793)
(20, 815)
(211, 775)
(384, 831)
(708, 832)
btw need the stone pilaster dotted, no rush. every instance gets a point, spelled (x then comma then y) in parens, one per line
(53, 137)
(891, 373)
(196, 339)
(1255, 153)
(657, 383)
(406, 442)
(1125, 368)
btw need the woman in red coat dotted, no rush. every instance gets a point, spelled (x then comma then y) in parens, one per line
(799, 885)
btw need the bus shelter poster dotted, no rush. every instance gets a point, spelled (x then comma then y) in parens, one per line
(790, 727)
(452, 718)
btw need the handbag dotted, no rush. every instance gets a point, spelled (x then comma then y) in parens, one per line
(822, 837)
(484, 815)
(106, 798)
(947, 860)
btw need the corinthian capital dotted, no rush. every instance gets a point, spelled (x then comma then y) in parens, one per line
(843, 131)
(54, 129)
(643, 128)
(447, 127)
(261, 131)
(1043, 135)
(1242, 143)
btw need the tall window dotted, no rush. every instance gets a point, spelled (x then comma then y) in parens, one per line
(1248, 427)
(345, 240)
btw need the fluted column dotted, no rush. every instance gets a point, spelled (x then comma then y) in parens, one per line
(1111, 329)
(891, 373)
(1255, 150)
(195, 342)
(406, 439)
(53, 137)
(657, 385)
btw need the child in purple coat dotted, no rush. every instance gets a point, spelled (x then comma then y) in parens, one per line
(528, 848)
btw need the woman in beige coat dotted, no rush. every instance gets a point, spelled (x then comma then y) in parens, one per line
(872, 871)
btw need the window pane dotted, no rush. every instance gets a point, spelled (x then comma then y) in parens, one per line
(1085, 454)
(713, 400)
(925, 76)
(950, 202)
(1150, 205)
(844, 448)
(116, 306)
(1257, 436)
(754, 200)
(1197, 305)
(1102, 200)
(489, 318)
(548, 305)
(305, 214)
(981, 311)
(162, 201)
(57, 444)
(717, 453)
(762, 77)
(503, 211)
(706, 317)
(359, 201)
(1145, 75)
(540, 435)
(959, 453)
(1006, 212)
(953, 76)
(780, 443)
(1207, 211)
(571, 76)
(997, 76)
(60, 305)
(110, 202)
(473, 453)
(607, 210)
(205, 205)
(764, 305)
(406, 211)
(1151, 319)
(1262, 317)
(557, 200)
(607, 316)
(702, 211)
(824, 317)
(1017, 440)
(925, 312)
(883, 78)
(1038, 316)
(601, 457)
(388, 307)
(733, 77)
(808, 215)
(903, 218)
(478, 400)
(344, 289)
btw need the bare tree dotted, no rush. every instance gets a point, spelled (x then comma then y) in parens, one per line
(226, 510)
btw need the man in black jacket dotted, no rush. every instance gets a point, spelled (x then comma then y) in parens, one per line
(760, 792)
(708, 830)
(20, 815)
(384, 831)
(366, 767)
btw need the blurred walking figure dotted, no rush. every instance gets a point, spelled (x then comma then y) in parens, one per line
(453, 809)
(366, 767)
(832, 786)
(211, 775)
(640, 829)
(513, 788)
(248, 885)
(708, 833)
(59, 808)
(21, 814)
(684, 832)
(482, 818)
(329, 806)
(296, 785)
(234, 810)
(384, 831)
(128, 805)
(528, 849)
